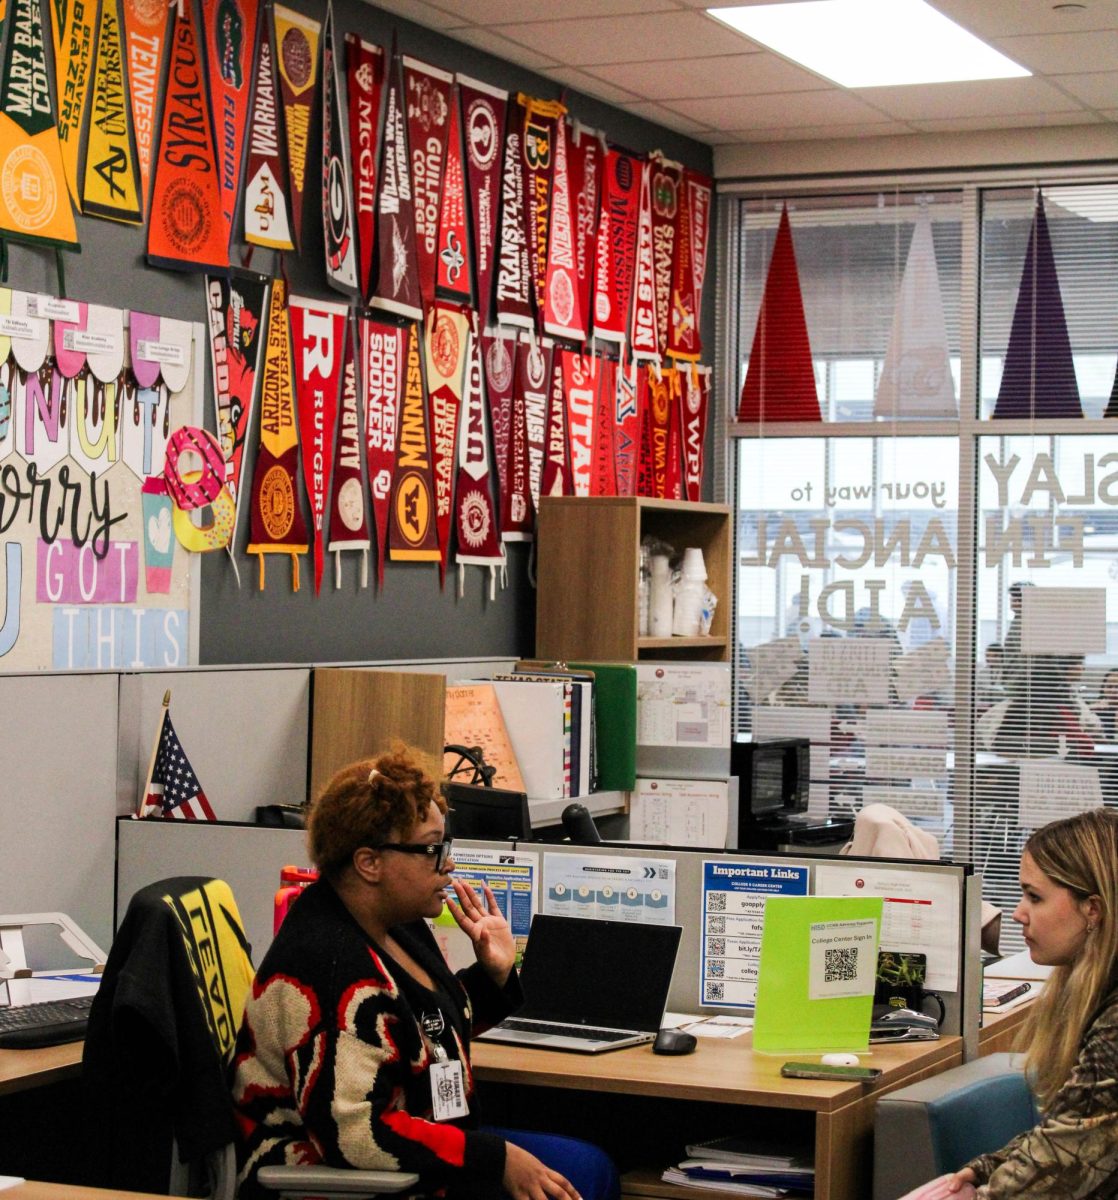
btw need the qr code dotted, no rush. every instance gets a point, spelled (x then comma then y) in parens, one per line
(716, 968)
(716, 946)
(840, 965)
(716, 925)
(716, 902)
(713, 992)
(661, 872)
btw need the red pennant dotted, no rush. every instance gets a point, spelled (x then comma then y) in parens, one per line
(626, 423)
(411, 533)
(534, 382)
(617, 246)
(516, 524)
(644, 323)
(604, 479)
(514, 273)
(666, 183)
(446, 351)
(452, 270)
(673, 468)
(586, 160)
(561, 315)
(660, 397)
(365, 81)
(349, 523)
(684, 340)
(384, 353)
(427, 103)
(645, 472)
(580, 385)
(499, 365)
(696, 402)
(556, 472)
(483, 117)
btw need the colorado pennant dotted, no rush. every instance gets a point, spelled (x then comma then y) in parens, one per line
(349, 523)
(427, 102)
(483, 121)
(145, 36)
(364, 64)
(337, 177)
(266, 217)
(384, 350)
(617, 245)
(297, 56)
(446, 348)
(411, 518)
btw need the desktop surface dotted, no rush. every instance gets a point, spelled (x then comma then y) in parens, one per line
(22, 1069)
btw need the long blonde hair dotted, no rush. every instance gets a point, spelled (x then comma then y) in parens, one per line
(1079, 853)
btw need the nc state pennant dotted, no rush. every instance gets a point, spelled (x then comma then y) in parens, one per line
(642, 335)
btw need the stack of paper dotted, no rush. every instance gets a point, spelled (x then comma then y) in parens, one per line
(741, 1165)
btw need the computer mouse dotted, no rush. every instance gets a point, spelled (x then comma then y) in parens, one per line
(839, 1060)
(674, 1041)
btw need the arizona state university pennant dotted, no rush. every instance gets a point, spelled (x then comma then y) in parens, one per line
(145, 36)
(297, 56)
(75, 30)
(427, 101)
(684, 340)
(112, 183)
(453, 277)
(627, 428)
(667, 180)
(266, 217)
(475, 522)
(541, 118)
(35, 201)
(483, 119)
(318, 337)
(411, 534)
(616, 247)
(364, 64)
(514, 274)
(349, 523)
(446, 346)
(384, 350)
(277, 516)
(186, 230)
(643, 325)
(337, 177)
(580, 384)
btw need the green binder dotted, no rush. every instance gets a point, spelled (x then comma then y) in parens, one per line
(615, 709)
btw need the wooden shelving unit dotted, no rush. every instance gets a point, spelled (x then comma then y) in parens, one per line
(588, 563)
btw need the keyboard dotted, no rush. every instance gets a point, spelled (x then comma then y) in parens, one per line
(575, 1031)
(48, 1023)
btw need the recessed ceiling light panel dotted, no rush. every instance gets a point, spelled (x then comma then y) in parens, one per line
(871, 43)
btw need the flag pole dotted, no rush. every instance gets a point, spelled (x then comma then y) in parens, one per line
(154, 752)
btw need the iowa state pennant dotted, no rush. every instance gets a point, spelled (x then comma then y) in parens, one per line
(561, 313)
(186, 230)
(684, 340)
(666, 183)
(364, 67)
(580, 385)
(475, 521)
(318, 338)
(556, 468)
(615, 253)
(296, 40)
(453, 277)
(397, 288)
(540, 129)
(277, 525)
(484, 110)
(411, 528)
(111, 188)
(643, 340)
(266, 212)
(586, 154)
(337, 175)
(603, 478)
(660, 397)
(446, 347)
(514, 274)
(696, 404)
(349, 523)
(230, 40)
(498, 366)
(384, 352)
(627, 428)
(427, 103)
(145, 37)
(34, 201)
(74, 38)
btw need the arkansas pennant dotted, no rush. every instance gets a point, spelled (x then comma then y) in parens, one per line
(427, 103)
(453, 277)
(616, 247)
(297, 56)
(74, 37)
(364, 65)
(337, 176)
(318, 337)
(483, 120)
(411, 535)
(384, 350)
(349, 522)
(475, 521)
(186, 230)
(145, 36)
(266, 217)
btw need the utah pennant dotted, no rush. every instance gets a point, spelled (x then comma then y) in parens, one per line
(337, 175)
(364, 65)
(296, 39)
(266, 217)
(384, 351)
(580, 384)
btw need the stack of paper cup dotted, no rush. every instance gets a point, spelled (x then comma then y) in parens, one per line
(660, 598)
(689, 594)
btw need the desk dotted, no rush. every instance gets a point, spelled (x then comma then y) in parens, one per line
(1000, 1029)
(22, 1069)
(728, 1072)
(67, 1191)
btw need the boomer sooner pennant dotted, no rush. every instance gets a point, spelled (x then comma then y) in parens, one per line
(75, 33)
(296, 39)
(453, 276)
(266, 216)
(665, 186)
(514, 275)
(475, 521)
(112, 182)
(615, 253)
(684, 340)
(411, 535)
(337, 176)
(643, 340)
(349, 523)
(397, 287)
(364, 65)
(540, 128)
(318, 340)
(483, 120)
(427, 104)
(34, 201)
(186, 230)
(277, 516)
(384, 351)
(145, 36)
(562, 316)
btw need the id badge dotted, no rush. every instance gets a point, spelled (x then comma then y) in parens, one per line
(448, 1091)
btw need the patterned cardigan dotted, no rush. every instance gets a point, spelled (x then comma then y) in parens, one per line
(331, 1061)
(1073, 1153)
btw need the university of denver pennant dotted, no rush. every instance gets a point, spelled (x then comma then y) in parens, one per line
(384, 352)
(585, 163)
(337, 175)
(615, 252)
(517, 521)
(74, 38)
(665, 187)
(111, 188)
(562, 316)
(296, 44)
(643, 324)
(145, 37)
(34, 200)
(411, 534)
(483, 122)
(556, 471)
(349, 522)
(539, 131)
(453, 274)
(684, 340)
(533, 384)
(514, 274)
(267, 222)
(475, 521)
(364, 66)
(580, 385)
(427, 104)
(497, 360)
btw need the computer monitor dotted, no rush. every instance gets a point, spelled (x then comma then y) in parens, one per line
(486, 813)
(772, 775)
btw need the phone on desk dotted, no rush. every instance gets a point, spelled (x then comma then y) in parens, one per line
(800, 1070)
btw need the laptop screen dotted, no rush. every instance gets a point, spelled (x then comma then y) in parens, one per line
(588, 972)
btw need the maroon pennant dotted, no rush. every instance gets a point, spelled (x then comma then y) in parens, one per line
(603, 479)
(667, 180)
(475, 521)
(498, 367)
(627, 432)
(617, 245)
(349, 524)
(696, 403)
(384, 354)
(533, 382)
(364, 66)
(427, 103)
(684, 340)
(540, 129)
(514, 275)
(483, 121)
(453, 277)
(516, 522)
(562, 315)
(643, 326)
(586, 156)
(580, 386)
(556, 473)
(645, 480)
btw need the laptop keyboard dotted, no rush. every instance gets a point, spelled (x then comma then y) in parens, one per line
(575, 1031)
(47, 1023)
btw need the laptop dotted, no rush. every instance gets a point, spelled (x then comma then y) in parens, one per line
(591, 985)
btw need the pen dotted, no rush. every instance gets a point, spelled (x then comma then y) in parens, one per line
(1005, 997)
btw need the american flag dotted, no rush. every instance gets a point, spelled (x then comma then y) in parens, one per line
(174, 792)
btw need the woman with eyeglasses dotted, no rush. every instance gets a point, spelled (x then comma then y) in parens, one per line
(355, 1045)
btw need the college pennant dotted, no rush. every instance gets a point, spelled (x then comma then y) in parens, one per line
(231, 38)
(453, 277)
(585, 159)
(516, 522)
(562, 316)
(556, 472)
(384, 350)
(696, 404)
(364, 65)
(615, 252)
(603, 480)
(627, 428)
(483, 117)
(427, 100)
(318, 337)
(411, 530)
(580, 386)
(145, 39)
(644, 405)
(660, 397)
(644, 343)
(684, 340)
(397, 288)
(266, 218)
(514, 277)
(186, 230)
(74, 38)
(497, 361)
(446, 347)
(296, 42)
(34, 201)
(337, 176)
(667, 180)
(349, 522)
(541, 118)
(111, 188)
(534, 384)
(277, 525)
(673, 469)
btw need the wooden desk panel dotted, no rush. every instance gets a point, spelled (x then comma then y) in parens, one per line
(21, 1069)
(1000, 1029)
(67, 1191)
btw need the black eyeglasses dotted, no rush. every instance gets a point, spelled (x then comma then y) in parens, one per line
(439, 851)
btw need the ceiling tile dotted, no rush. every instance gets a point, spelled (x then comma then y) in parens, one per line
(1015, 121)
(998, 18)
(503, 12)
(720, 75)
(789, 109)
(428, 15)
(588, 85)
(493, 43)
(1096, 90)
(665, 116)
(596, 40)
(1063, 53)
(807, 133)
(982, 98)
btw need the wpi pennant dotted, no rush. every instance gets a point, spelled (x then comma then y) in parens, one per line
(615, 253)
(498, 366)
(364, 64)
(541, 119)
(112, 183)
(561, 313)
(266, 218)
(483, 118)
(412, 535)
(296, 40)
(684, 340)
(603, 479)
(475, 520)
(337, 175)
(453, 276)
(667, 181)
(384, 351)
(34, 202)
(627, 428)
(556, 471)
(514, 275)
(580, 384)
(318, 334)
(586, 157)
(186, 230)
(75, 32)
(427, 102)
(696, 404)
(349, 525)
(642, 332)
(145, 36)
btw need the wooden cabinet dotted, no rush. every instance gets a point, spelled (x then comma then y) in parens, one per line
(587, 574)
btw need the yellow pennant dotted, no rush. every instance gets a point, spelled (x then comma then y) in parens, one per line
(111, 180)
(278, 429)
(297, 59)
(73, 70)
